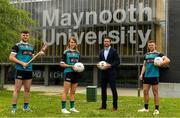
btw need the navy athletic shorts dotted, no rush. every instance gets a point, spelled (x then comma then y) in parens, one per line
(23, 75)
(71, 77)
(151, 80)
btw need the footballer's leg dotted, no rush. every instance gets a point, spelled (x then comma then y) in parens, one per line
(67, 85)
(146, 88)
(27, 86)
(17, 88)
(72, 97)
(156, 98)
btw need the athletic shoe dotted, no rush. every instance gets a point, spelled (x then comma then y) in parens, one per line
(65, 111)
(156, 112)
(13, 110)
(27, 110)
(74, 110)
(143, 110)
(114, 110)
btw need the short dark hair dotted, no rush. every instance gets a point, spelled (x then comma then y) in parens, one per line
(25, 32)
(107, 37)
(151, 41)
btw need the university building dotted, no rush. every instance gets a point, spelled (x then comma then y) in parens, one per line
(130, 23)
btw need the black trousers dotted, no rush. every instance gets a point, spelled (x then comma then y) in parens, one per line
(112, 82)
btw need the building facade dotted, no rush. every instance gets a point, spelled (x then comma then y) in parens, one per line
(130, 23)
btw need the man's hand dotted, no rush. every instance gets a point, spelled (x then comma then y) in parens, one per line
(141, 77)
(107, 66)
(24, 64)
(41, 53)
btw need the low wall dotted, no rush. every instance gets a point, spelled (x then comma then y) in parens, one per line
(168, 90)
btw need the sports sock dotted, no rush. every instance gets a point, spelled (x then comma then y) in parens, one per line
(26, 105)
(146, 106)
(63, 104)
(72, 104)
(157, 107)
(14, 106)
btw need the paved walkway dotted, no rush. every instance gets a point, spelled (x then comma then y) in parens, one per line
(59, 89)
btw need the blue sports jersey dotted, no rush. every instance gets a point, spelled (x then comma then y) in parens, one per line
(24, 53)
(151, 70)
(70, 58)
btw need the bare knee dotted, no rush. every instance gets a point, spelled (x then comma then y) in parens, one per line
(65, 92)
(155, 93)
(26, 90)
(16, 91)
(146, 92)
(155, 90)
(72, 92)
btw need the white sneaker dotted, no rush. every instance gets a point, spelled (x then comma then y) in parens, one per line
(156, 112)
(27, 110)
(65, 111)
(74, 110)
(13, 111)
(143, 110)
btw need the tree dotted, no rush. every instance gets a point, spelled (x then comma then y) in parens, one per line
(12, 21)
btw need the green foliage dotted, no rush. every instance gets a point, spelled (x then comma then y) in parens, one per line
(12, 22)
(49, 105)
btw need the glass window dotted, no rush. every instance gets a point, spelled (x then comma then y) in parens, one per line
(130, 23)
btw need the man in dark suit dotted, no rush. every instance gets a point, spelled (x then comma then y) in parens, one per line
(109, 74)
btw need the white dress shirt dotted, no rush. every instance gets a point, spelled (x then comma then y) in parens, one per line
(106, 51)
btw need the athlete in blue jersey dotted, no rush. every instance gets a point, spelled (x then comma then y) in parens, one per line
(70, 56)
(150, 76)
(21, 53)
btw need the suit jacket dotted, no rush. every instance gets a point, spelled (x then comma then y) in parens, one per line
(113, 59)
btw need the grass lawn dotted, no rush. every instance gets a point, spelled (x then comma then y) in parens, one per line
(50, 106)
